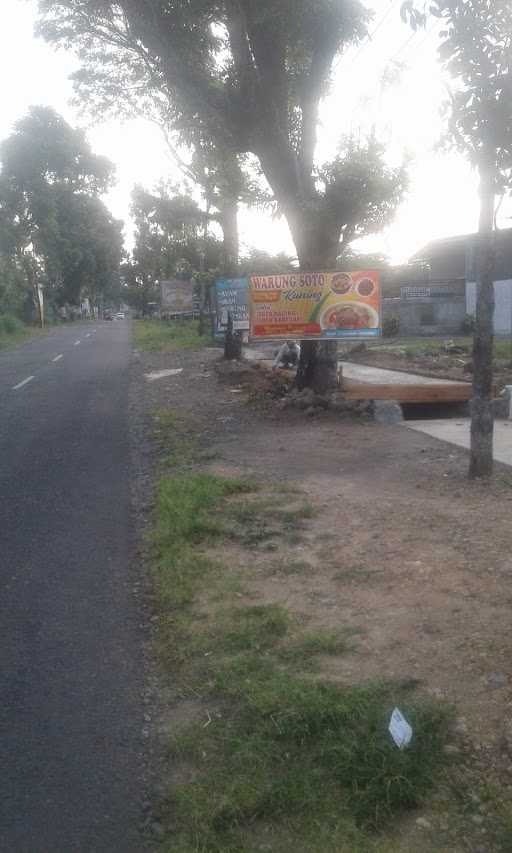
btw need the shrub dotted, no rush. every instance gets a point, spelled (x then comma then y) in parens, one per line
(391, 326)
(467, 326)
(9, 325)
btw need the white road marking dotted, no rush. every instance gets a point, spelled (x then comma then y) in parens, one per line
(76, 343)
(57, 357)
(88, 335)
(21, 384)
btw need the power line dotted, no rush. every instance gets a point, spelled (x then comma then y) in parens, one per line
(370, 36)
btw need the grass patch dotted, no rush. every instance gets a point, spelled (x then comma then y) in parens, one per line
(300, 755)
(168, 335)
(414, 347)
(289, 760)
(185, 510)
(302, 653)
(177, 442)
(260, 522)
(361, 574)
(13, 332)
(254, 628)
(289, 567)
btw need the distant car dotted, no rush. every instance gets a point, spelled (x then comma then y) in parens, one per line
(107, 315)
(120, 315)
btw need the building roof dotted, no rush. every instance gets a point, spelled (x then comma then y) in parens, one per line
(458, 241)
(454, 256)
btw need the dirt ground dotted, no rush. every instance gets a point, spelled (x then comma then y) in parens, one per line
(402, 550)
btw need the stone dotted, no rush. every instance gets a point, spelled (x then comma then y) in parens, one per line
(387, 412)
(423, 823)
(501, 407)
(157, 829)
(451, 749)
(461, 726)
(496, 680)
(303, 399)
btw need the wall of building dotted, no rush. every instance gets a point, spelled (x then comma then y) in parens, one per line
(432, 316)
(502, 304)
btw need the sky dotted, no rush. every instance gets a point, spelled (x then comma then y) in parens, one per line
(442, 199)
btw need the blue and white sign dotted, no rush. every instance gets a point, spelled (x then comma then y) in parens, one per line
(231, 296)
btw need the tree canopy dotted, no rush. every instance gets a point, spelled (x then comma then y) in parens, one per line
(170, 230)
(250, 75)
(476, 49)
(52, 221)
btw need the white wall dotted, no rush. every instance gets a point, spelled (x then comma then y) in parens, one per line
(502, 306)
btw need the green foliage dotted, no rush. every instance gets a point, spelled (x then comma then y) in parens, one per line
(14, 332)
(167, 335)
(476, 49)
(467, 326)
(293, 753)
(250, 78)
(53, 227)
(259, 262)
(10, 325)
(169, 231)
(362, 189)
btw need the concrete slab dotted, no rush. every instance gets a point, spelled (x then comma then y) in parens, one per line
(379, 376)
(457, 432)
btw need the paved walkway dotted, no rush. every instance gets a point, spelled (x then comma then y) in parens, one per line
(359, 372)
(457, 432)
(379, 376)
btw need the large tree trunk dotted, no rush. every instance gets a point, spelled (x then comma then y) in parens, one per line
(316, 233)
(482, 419)
(318, 365)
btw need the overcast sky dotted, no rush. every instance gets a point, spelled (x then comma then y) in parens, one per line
(442, 199)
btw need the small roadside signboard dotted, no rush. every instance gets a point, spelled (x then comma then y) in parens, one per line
(231, 296)
(177, 298)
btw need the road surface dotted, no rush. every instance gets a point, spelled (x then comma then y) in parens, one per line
(70, 649)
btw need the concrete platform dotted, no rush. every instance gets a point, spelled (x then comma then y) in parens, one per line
(362, 382)
(380, 376)
(457, 432)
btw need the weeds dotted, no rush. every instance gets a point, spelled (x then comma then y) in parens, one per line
(167, 336)
(290, 758)
(311, 645)
(295, 750)
(14, 332)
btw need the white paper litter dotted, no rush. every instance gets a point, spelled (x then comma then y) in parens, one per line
(399, 729)
(161, 374)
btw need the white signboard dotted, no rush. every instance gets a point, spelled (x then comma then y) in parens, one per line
(177, 296)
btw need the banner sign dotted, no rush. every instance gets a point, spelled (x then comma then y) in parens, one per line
(231, 295)
(315, 305)
(177, 296)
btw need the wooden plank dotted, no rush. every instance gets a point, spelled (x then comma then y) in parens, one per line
(456, 392)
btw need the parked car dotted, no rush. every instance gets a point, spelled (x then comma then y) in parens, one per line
(120, 315)
(107, 315)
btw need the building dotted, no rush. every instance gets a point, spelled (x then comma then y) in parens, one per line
(449, 294)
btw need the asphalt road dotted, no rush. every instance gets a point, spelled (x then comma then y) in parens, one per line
(70, 644)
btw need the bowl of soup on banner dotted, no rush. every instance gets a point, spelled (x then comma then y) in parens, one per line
(315, 305)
